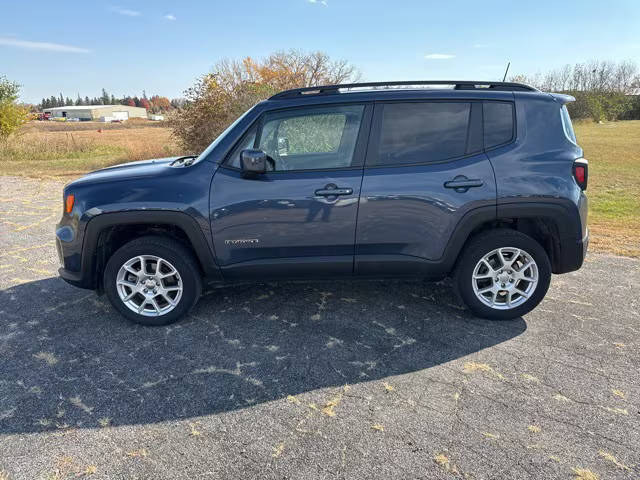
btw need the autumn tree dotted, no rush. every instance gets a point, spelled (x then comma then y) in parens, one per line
(144, 103)
(160, 104)
(218, 98)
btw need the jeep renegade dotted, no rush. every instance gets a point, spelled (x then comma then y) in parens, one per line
(481, 180)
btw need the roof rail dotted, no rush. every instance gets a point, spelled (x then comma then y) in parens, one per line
(458, 85)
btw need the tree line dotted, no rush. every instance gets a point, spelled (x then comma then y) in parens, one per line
(154, 104)
(604, 90)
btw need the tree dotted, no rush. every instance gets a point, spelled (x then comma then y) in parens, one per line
(218, 98)
(160, 104)
(144, 103)
(602, 88)
(104, 100)
(12, 115)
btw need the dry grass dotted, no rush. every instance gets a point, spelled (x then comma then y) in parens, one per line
(51, 149)
(613, 151)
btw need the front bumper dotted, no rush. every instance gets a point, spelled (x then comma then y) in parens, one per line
(69, 248)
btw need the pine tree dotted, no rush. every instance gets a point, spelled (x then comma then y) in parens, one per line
(79, 100)
(105, 97)
(61, 100)
(54, 102)
(86, 101)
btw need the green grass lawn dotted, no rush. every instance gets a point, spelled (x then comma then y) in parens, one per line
(613, 151)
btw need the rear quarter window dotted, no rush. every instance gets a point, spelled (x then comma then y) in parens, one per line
(498, 123)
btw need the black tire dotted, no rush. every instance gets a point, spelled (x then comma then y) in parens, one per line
(172, 251)
(481, 245)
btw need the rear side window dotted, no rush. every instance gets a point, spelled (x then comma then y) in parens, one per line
(422, 132)
(498, 123)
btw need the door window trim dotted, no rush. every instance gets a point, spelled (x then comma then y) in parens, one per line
(359, 151)
(475, 124)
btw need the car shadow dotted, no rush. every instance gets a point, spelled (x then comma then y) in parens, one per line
(70, 361)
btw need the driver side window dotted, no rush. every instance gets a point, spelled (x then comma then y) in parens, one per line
(307, 138)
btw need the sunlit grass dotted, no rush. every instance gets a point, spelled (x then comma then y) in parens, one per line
(40, 150)
(613, 151)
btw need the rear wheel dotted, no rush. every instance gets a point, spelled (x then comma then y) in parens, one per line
(152, 280)
(503, 274)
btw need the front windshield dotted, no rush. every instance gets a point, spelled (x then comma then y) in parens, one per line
(215, 143)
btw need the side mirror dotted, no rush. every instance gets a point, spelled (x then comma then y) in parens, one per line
(253, 162)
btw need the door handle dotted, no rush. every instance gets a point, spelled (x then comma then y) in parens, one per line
(462, 183)
(332, 190)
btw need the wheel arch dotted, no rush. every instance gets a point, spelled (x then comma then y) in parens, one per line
(556, 226)
(107, 232)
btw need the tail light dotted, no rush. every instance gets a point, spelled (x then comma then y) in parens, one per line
(581, 172)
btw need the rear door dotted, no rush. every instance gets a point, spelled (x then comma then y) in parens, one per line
(298, 220)
(425, 169)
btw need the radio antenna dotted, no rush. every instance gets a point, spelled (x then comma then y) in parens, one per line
(506, 71)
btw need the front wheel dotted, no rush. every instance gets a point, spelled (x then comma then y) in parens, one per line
(503, 274)
(152, 280)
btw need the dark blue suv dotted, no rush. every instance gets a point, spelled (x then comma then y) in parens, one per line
(480, 180)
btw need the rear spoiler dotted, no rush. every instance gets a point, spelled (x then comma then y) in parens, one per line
(562, 98)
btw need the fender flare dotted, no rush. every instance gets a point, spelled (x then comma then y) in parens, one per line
(96, 225)
(562, 212)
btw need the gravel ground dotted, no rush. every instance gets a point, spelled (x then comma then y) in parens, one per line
(317, 380)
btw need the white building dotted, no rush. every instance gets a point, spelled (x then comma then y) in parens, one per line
(96, 112)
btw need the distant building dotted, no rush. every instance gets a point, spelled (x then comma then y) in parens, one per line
(97, 112)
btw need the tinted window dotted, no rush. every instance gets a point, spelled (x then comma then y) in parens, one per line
(498, 123)
(422, 132)
(311, 138)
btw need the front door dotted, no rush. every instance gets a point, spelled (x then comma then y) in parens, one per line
(299, 219)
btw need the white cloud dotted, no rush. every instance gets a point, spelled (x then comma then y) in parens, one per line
(438, 56)
(46, 46)
(125, 11)
(318, 2)
(170, 16)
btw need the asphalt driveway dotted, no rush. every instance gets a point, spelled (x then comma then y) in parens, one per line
(317, 380)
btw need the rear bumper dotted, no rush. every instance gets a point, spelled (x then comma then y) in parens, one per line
(572, 255)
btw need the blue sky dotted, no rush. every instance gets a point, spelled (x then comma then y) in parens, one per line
(126, 46)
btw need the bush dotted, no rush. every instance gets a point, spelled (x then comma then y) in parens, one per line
(12, 115)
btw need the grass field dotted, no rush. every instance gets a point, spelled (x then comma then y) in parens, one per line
(52, 149)
(613, 151)
(55, 149)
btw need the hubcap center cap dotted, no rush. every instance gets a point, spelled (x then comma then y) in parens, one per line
(150, 284)
(503, 277)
